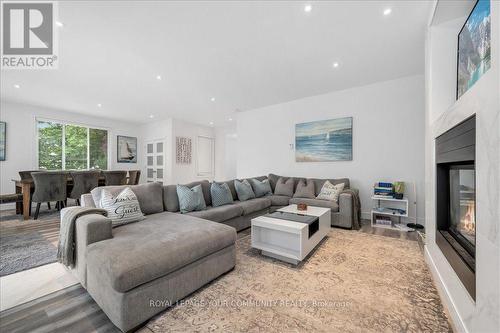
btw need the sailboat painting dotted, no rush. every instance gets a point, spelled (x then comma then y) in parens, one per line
(126, 149)
(324, 140)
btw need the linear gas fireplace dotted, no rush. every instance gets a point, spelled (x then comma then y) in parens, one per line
(456, 200)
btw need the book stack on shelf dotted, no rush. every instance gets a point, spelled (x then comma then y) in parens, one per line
(383, 189)
(391, 206)
(383, 220)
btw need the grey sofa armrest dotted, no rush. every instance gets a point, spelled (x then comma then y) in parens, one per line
(86, 200)
(346, 209)
(89, 229)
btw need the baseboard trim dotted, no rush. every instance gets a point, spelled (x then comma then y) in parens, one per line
(456, 320)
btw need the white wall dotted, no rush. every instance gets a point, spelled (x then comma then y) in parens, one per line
(168, 130)
(388, 137)
(483, 100)
(185, 173)
(225, 152)
(22, 145)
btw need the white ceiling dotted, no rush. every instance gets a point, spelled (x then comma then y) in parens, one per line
(245, 54)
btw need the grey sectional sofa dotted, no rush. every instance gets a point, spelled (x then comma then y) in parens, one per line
(169, 255)
(239, 214)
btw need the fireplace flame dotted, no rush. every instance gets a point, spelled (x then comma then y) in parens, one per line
(469, 220)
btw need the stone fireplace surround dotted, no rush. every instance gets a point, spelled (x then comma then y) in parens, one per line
(455, 156)
(443, 112)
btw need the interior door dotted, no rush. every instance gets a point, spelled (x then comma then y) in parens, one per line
(155, 161)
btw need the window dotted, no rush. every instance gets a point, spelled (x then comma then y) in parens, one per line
(71, 147)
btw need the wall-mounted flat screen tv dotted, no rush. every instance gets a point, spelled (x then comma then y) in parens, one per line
(474, 47)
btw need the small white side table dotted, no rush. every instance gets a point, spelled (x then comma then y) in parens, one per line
(381, 209)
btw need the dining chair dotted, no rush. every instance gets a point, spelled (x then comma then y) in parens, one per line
(133, 177)
(83, 182)
(49, 186)
(26, 175)
(115, 177)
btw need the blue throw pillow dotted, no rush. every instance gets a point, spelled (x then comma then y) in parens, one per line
(221, 194)
(244, 190)
(261, 188)
(190, 199)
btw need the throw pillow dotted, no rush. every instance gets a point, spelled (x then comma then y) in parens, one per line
(244, 190)
(284, 187)
(122, 209)
(330, 192)
(304, 189)
(261, 188)
(190, 199)
(221, 194)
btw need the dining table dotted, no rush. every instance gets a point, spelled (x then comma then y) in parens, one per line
(27, 186)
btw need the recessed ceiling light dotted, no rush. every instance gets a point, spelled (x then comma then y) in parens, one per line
(212, 99)
(308, 8)
(387, 11)
(336, 64)
(99, 105)
(17, 86)
(211, 123)
(59, 24)
(230, 119)
(151, 116)
(158, 77)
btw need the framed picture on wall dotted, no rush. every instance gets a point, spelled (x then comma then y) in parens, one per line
(3, 140)
(126, 150)
(474, 47)
(183, 150)
(324, 140)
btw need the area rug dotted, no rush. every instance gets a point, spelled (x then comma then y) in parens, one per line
(25, 250)
(352, 282)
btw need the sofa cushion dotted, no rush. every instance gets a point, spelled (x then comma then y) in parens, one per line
(149, 196)
(305, 189)
(278, 200)
(219, 214)
(230, 183)
(141, 252)
(284, 187)
(244, 190)
(190, 199)
(123, 208)
(318, 183)
(221, 194)
(261, 187)
(330, 192)
(273, 179)
(171, 201)
(253, 205)
(334, 206)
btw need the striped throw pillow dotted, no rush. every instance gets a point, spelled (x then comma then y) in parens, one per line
(122, 209)
(330, 192)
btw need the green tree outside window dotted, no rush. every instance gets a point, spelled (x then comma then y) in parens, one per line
(84, 147)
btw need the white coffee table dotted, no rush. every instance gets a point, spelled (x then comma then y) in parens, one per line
(287, 240)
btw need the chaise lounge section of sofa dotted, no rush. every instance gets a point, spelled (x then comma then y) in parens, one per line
(164, 257)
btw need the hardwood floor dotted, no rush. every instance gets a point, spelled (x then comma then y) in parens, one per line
(68, 310)
(47, 225)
